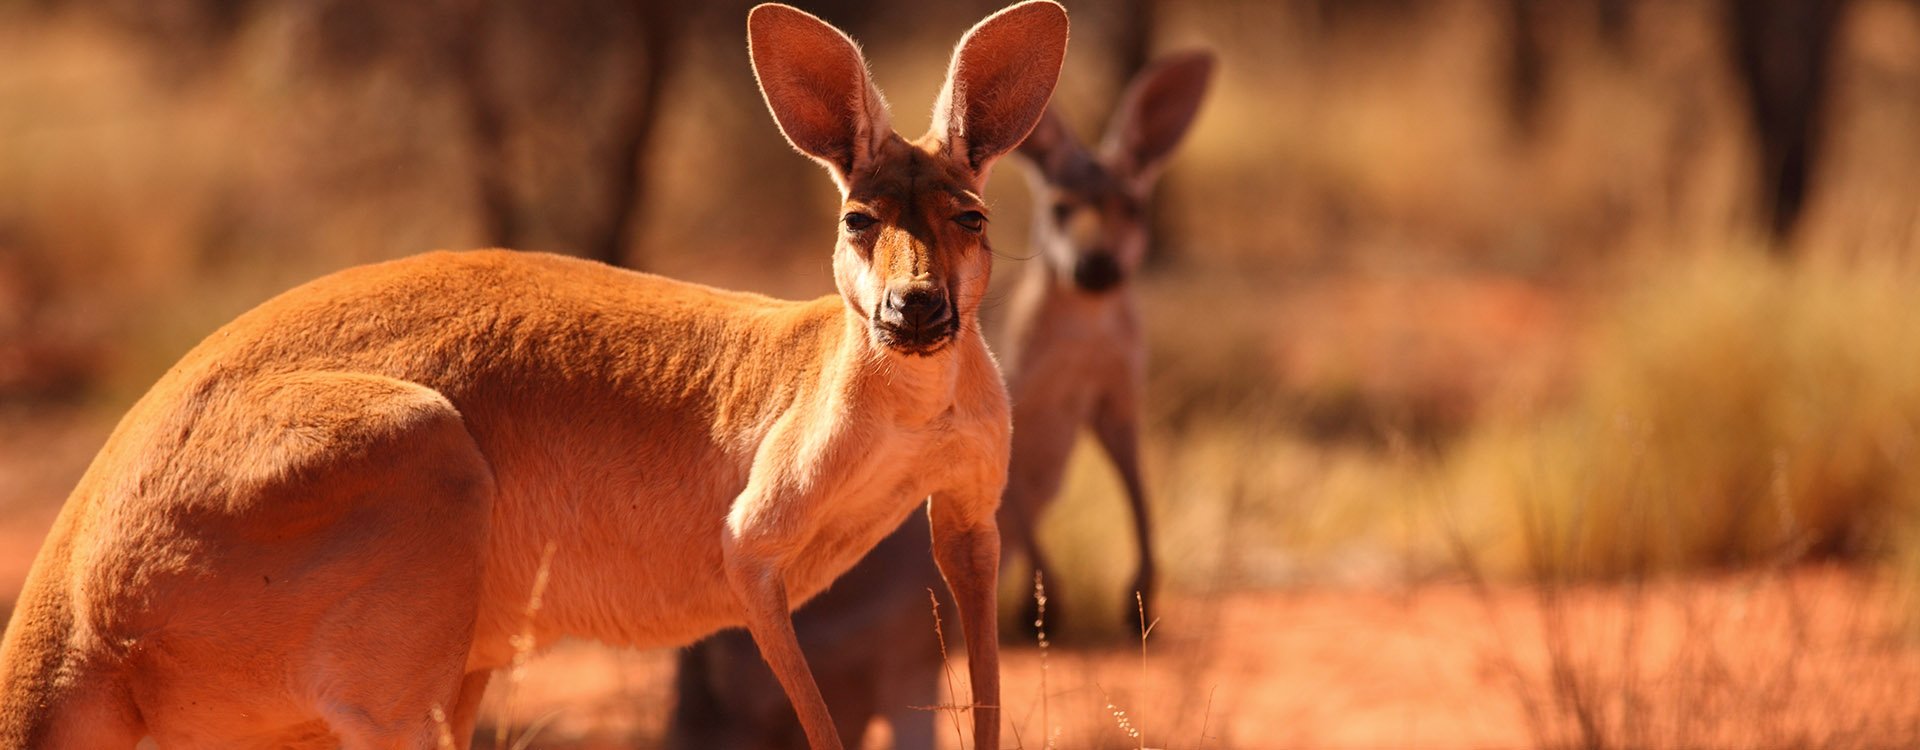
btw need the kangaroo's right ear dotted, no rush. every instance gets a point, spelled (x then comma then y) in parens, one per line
(816, 83)
(1155, 112)
(1001, 77)
(1051, 144)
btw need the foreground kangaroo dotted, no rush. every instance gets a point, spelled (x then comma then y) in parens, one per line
(322, 526)
(1079, 356)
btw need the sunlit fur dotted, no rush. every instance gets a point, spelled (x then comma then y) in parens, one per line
(1079, 359)
(916, 242)
(324, 523)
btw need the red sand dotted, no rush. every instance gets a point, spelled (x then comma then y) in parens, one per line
(1808, 658)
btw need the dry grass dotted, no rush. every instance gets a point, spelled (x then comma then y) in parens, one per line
(1088, 698)
(1768, 659)
(1731, 411)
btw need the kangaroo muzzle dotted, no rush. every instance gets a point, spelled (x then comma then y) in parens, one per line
(1096, 272)
(917, 319)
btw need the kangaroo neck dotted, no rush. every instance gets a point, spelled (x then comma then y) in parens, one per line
(908, 388)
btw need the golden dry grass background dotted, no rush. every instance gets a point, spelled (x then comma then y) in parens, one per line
(1391, 340)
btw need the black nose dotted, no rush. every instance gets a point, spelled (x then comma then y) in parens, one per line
(918, 308)
(1096, 272)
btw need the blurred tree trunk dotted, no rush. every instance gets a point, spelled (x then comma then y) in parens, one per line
(1613, 17)
(1783, 52)
(623, 163)
(1132, 40)
(1526, 68)
(661, 27)
(1528, 23)
(486, 119)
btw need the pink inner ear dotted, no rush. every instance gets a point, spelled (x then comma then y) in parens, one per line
(1051, 143)
(1003, 74)
(1157, 110)
(815, 82)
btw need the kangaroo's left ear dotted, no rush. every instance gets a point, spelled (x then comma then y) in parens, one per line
(999, 82)
(1154, 114)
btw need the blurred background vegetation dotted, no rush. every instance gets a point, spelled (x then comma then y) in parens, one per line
(1526, 286)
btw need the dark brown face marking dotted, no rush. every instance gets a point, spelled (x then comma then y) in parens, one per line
(1092, 212)
(923, 265)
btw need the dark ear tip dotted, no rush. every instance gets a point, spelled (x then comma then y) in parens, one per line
(1045, 136)
(1195, 62)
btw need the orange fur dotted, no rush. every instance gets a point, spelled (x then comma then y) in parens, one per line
(1078, 358)
(324, 522)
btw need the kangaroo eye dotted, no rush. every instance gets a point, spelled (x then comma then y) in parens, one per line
(857, 221)
(971, 220)
(1062, 212)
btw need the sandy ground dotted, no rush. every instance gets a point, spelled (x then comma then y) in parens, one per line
(1803, 658)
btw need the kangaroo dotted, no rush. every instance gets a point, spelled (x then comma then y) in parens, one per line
(1078, 359)
(322, 526)
(1074, 350)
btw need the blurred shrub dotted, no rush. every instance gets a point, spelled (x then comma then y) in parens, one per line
(1731, 410)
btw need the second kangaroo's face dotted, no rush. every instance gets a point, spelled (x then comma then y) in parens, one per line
(1092, 229)
(911, 259)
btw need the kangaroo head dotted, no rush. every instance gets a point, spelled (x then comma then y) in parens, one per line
(912, 256)
(1091, 225)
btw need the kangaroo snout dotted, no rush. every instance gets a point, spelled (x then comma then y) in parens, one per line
(919, 314)
(1096, 272)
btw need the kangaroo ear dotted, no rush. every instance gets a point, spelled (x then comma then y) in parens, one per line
(816, 83)
(999, 82)
(1155, 113)
(1051, 144)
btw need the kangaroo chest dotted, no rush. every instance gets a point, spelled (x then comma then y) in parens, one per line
(893, 476)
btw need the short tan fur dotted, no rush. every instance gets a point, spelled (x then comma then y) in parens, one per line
(1080, 359)
(1074, 349)
(324, 523)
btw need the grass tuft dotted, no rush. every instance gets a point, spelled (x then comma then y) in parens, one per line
(1732, 410)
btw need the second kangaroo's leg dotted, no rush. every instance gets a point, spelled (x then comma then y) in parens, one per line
(1032, 481)
(1116, 423)
(1024, 537)
(757, 583)
(912, 693)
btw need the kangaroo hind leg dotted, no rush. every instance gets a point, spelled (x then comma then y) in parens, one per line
(357, 514)
(400, 578)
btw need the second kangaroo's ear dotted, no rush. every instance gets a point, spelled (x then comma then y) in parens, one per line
(1154, 114)
(999, 82)
(816, 83)
(1051, 144)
